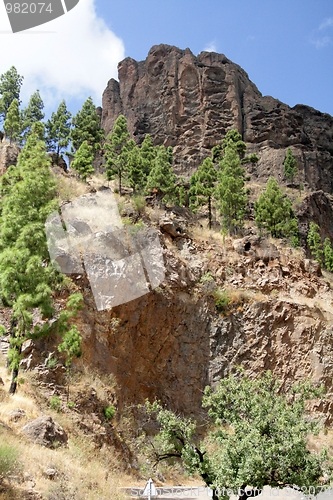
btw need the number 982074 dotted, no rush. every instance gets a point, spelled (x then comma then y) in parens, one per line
(28, 8)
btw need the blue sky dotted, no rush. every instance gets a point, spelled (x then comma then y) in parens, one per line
(286, 47)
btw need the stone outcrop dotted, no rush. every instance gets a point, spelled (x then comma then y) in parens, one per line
(8, 155)
(45, 432)
(189, 103)
(316, 207)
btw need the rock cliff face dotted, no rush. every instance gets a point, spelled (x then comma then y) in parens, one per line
(172, 342)
(190, 102)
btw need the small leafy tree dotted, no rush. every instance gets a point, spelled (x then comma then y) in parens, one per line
(203, 187)
(161, 178)
(83, 159)
(10, 88)
(58, 129)
(315, 243)
(257, 437)
(274, 213)
(290, 168)
(12, 125)
(86, 127)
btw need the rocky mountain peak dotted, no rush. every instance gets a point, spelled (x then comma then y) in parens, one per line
(189, 102)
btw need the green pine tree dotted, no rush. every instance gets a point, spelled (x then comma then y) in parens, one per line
(58, 129)
(136, 177)
(148, 154)
(314, 242)
(117, 150)
(13, 124)
(83, 159)
(161, 178)
(328, 254)
(274, 213)
(230, 191)
(10, 87)
(203, 187)
(86, 127)
(32, 113)
(26, 278)
(290, 167)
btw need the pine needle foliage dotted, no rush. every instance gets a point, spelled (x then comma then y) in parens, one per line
(203, 187)
(27, 193)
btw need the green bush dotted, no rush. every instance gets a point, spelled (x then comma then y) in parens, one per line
(139, 203)
(222, 300)
(206, 278)
(8, 460)
(55, 403)
(109, 412)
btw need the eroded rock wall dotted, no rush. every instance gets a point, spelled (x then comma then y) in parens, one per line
(189, 103)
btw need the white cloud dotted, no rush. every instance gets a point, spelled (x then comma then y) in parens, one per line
(320, 43)
(72, 56)
(211, 47)
(328, 23)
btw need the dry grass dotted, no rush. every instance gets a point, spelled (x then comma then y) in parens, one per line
(83, 471)
(70, 188)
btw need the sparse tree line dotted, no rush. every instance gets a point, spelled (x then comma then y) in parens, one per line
(219, 182)
(59, 132)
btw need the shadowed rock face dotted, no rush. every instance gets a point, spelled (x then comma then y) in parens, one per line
(190, 102)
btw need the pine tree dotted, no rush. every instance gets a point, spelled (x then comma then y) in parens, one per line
(117, 149)
(274, 213)
(83, 159)
(148, 154)
(328, 254)
(10, 87)
(314, 242)
(12, 125)
(136, 177)
(290, 168)
(58, 129)
(26, 278)
(203, 187)
(230, 190)
(162, 179)
(32, 113)
(86, 127)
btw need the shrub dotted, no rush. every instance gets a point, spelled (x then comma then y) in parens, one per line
(206, 278)
(8, 460)
(109, 412)
(222, 300)
(139, 204)
(55, 403)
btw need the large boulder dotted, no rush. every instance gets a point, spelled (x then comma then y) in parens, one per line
(45, 432)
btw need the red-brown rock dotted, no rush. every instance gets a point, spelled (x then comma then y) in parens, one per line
(190, 102)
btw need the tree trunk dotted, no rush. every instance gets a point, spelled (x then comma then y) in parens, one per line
(209, 212)
(13, 385)
(119, 182)
(15, 372)
(247, 493)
